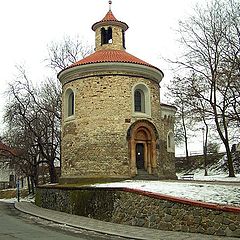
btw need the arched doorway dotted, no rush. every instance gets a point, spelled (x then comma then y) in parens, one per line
(142, 138)
(140, 155)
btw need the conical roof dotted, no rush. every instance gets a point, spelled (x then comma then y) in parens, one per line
(111, 55)
(103, 56)
(109, 19)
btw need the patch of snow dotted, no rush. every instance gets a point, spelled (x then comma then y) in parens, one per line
(10, 200)
(212, 176)
(29, 198)
(217, 177)
(13, 200)
(212, 193)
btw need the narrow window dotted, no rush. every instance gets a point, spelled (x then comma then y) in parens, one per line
(123, 38)
(106, 36)
(109, 35)
(139, 101)
(103, 36)
(170, 142)
(71, 104)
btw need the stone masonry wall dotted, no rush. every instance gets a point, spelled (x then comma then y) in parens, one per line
(168, 158)
(144, 209)
(94, 142)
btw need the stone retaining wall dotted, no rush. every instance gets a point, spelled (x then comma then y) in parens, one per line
(140, 208)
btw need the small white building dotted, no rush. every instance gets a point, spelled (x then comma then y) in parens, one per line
(7, 172)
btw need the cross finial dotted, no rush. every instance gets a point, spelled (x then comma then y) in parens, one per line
(110, 3)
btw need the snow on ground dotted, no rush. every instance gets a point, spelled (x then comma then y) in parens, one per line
(213, 191)
(29, 198)
(215, 172)
(212, 176)
(10, 200)
(217, 177)
(226, 194)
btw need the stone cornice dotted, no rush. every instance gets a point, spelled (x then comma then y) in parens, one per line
(123, 25)
(168, 107)
(83, 71)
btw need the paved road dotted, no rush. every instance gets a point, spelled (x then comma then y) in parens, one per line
(110, 230)
(15, 225)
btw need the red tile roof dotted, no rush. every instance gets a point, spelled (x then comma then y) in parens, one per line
(103, 56)
(7, 151)
(109, 17)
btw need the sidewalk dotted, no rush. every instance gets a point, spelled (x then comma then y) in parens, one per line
(126, 231)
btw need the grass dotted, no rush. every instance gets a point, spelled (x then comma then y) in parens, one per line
(12, 193)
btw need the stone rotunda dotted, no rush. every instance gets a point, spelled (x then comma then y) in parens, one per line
(113, 124)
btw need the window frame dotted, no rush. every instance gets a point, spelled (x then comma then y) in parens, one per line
(106, 36)
(139, 101)
(170, 142)
(69, 104)
(145, 100)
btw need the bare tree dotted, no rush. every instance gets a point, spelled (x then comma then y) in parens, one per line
(177, 92)
(33, 119)
(211, 54)
(33, 114)
(66, 52)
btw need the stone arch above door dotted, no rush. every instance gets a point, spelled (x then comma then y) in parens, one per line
(143, 132)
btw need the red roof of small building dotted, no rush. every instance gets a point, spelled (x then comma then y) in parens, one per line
(103, 56)
(6, 150)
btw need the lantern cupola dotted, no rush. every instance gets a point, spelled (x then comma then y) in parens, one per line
(110, 33)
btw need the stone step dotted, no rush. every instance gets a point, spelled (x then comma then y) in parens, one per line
(143, 175)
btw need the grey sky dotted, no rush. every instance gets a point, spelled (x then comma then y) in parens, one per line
(27, 27)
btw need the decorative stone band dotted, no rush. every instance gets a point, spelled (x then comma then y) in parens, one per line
(98, 69)
(123, 25)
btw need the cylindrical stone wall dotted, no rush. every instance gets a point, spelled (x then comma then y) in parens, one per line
(94, 142)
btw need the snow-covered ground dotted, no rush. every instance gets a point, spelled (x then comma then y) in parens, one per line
(29, 198)
(214, 192)
(10, 200)
(213, 175)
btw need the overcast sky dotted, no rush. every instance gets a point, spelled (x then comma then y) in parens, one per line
(28, 26)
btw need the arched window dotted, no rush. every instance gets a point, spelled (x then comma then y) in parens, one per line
(141, 100)
(106, 35)
(170, 142)
(69, 103)
(103, 36)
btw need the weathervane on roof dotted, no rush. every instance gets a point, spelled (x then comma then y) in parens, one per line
(110, 3)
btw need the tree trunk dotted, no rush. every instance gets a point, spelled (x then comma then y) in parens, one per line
(32, 185)
(205, 149)
(52, 173)
(229, 160)
(222, 133)
(185, 138)
(29, 185)
(225, 141)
